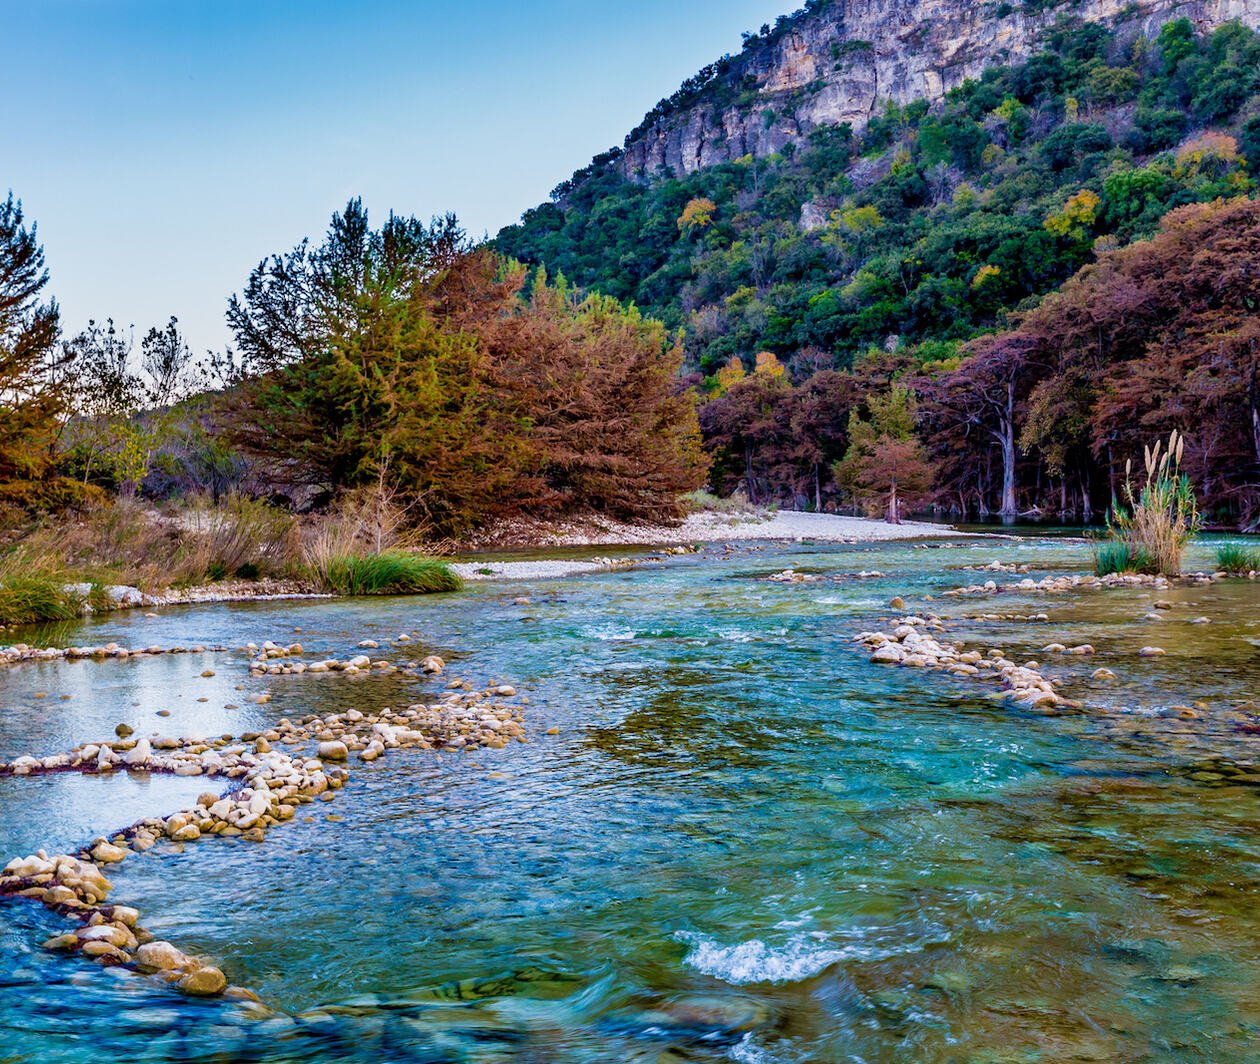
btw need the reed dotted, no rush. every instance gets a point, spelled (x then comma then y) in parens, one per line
(1158, 517)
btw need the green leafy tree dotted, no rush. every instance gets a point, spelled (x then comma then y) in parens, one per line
(32, 367)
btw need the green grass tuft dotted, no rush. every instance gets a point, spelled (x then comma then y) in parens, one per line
(387, 573)
(1238, 558)
(1116, 556)
(31, 599)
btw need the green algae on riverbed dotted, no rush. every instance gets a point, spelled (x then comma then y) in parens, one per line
(746, 842)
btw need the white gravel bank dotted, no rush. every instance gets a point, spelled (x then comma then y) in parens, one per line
(829, 528)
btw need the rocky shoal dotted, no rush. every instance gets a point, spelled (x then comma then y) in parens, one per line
(911, 644)
(1076, 581)
(265, 785)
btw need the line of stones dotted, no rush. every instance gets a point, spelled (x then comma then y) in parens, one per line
(267, 786)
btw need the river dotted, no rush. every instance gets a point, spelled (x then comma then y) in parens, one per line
(745, 843)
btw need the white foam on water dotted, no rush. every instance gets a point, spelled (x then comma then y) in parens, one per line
(745, 1051)
(608, 633)
(801, 957)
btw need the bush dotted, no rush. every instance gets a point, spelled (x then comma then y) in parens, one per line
(240, 534)
(1238, 558)
(387, 573)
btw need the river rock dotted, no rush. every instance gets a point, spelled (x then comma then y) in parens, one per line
(1151, 652)
(203, 982)
(333, 751)
(161, 956)
(139, 754)
(107, 853)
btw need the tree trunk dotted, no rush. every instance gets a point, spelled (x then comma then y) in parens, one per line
(748, 474)
(1007, 440)
(817, 489)
(893, 516)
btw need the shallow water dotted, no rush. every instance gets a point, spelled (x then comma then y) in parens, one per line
(746, 843)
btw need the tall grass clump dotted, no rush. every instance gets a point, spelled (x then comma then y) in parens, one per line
(388, 573)
(32, 590)
(1115, 556)
(1149, 531)
(1238, 558)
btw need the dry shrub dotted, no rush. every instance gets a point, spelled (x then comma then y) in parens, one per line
(239, 536)
(124, 542)
(364, 522)
(119, 542)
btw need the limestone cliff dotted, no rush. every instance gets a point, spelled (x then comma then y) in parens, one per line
(842, 60)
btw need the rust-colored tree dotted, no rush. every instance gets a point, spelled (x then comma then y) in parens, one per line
(401, 352)
(886, 468)
(1161, 335)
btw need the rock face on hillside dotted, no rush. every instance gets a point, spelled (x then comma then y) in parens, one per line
(844, 59)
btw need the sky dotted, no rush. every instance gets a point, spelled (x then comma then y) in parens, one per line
(164, 147)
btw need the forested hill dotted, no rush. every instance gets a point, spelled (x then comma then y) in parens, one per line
(932, 221)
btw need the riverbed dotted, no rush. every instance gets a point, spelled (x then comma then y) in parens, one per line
(743, 842)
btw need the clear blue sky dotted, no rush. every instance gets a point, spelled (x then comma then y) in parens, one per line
(165, 146)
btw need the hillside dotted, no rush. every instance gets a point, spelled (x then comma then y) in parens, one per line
(932, 219)
(858, 266)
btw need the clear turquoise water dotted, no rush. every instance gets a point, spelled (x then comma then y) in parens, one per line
(746, 842)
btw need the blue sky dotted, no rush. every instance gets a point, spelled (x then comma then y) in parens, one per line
(165, 146)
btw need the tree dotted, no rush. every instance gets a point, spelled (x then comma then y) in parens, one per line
(885, 467)
(984, 395)
(474, 388)
(168, 363)
(32, 377)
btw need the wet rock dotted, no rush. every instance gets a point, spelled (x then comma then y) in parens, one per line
(62, 943)
(333, 750)
(138, 754)
(161, 956)
(107, 853)
(1151, 652)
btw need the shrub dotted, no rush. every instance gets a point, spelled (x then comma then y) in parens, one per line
(237, 533)
(1238, 558)
(387, 573)
(1160, 518)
